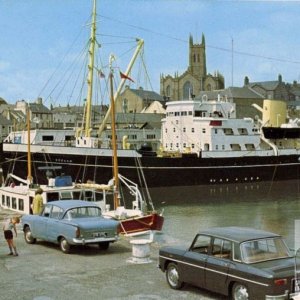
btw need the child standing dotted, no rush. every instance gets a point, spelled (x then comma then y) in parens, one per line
(8, 226)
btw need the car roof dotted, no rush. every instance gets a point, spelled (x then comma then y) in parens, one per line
(67, 204)
(238, 234)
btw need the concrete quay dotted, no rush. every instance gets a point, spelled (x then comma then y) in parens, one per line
(43, 272)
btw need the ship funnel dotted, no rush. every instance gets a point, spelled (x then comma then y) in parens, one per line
(274, 112)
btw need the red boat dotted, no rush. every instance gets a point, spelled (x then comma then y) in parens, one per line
(151, 221)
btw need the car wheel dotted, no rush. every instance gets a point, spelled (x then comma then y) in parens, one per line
(240, 292)
(104, 245)
(64, 245)
(172, 276)
(29, 239)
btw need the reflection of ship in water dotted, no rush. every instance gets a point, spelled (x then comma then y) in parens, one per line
(242, 192)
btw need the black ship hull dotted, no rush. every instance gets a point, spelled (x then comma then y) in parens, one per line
(187, 170)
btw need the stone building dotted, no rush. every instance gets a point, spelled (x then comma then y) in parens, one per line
(276, 89)
(136, 100)
(194, 80)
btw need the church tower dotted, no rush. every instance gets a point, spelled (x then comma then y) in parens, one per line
(194, 80)
(197, 58)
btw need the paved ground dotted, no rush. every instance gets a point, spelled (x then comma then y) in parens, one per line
(43, 272)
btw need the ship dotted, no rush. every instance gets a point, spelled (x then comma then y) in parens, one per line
(202, 143)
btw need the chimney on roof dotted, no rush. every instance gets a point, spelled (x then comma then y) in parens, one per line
(39, 100)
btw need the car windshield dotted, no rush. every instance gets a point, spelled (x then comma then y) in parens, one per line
(83, 212)
(263, 250)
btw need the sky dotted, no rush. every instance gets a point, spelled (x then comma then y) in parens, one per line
(258, 39)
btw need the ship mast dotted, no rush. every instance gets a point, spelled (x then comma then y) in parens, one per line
(120, 87)
(88, 107)
(29, 174)
(114, 140)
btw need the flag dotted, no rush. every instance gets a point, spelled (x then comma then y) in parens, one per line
(123, 76)
(101, 74)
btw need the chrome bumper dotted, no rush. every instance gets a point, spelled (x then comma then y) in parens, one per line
(285, 296)
(94, 240)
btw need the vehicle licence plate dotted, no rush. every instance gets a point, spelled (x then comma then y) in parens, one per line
(99, 234)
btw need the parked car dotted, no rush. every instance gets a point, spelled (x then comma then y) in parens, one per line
(243, 263)
(71, 222)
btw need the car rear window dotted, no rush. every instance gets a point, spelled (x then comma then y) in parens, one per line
(83, 212)
(263, 250)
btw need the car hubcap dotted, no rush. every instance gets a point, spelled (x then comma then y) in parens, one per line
(241, 293)
(173, 277)
(28, 236)
(64, 244)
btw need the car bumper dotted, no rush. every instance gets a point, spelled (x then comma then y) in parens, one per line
(94, 241)
(284, 296)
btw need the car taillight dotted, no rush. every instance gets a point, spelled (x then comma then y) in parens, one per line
(282, 281)
(77, 232)
(119, 228)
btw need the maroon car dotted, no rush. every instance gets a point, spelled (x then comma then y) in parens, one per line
(243, 263)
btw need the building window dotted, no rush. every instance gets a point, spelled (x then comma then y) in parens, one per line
(183, 129)
(168, 91)
(187, 90)
(150, 136)
(21, 204)
(203, 130)
(8, 201)
(14, 203)
(174, 129)
(193, 129)
(125, 105)
(47, 138)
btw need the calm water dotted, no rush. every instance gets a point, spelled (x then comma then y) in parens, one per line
(269, 206)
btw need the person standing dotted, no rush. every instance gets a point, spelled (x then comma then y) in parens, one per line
(8, 227)
(37, 204)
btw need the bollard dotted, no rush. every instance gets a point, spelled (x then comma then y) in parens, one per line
(140, 251)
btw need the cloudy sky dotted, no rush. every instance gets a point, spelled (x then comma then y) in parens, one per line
(35, 36)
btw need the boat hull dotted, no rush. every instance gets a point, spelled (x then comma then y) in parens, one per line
(158, 171)
(153, 221)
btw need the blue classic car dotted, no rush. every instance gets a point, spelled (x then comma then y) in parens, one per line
(242, 263)
(71, 222)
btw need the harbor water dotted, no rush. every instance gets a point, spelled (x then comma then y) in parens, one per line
(90, 273)
(271, 206)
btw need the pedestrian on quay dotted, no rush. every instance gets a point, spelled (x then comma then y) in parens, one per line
(37, 204)
(8, 227)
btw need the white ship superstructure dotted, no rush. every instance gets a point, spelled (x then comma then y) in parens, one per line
(208, 128)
